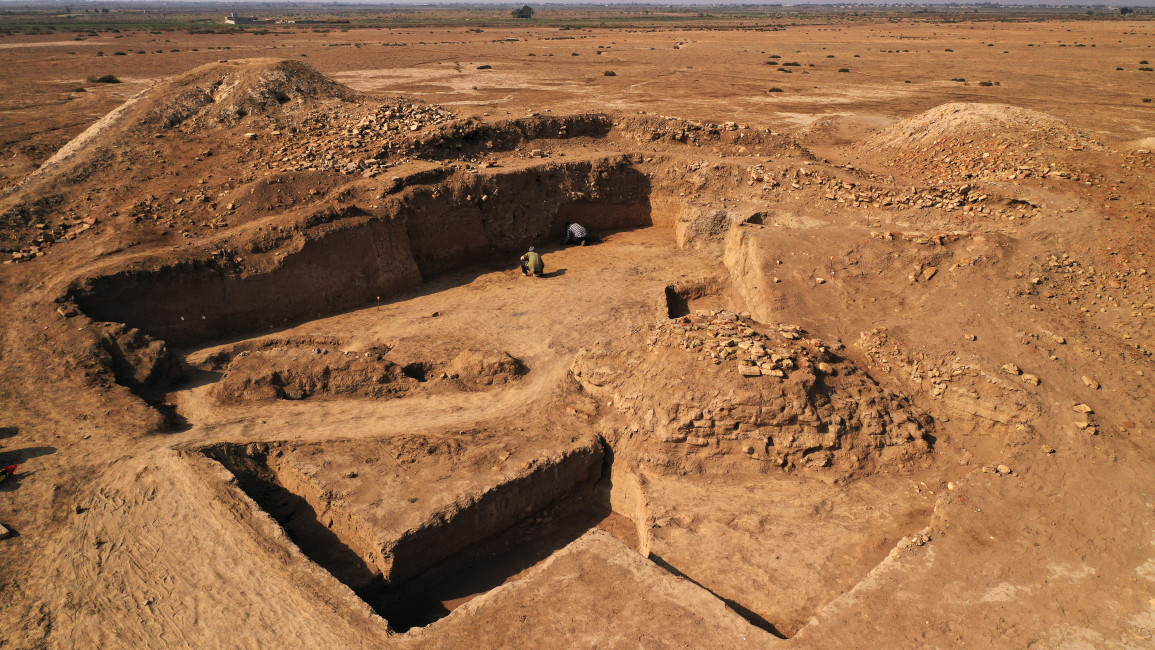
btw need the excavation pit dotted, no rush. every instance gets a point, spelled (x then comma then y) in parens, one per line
(418, 526)
(686, 296)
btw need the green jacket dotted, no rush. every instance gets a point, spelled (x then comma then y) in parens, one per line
(534, 262)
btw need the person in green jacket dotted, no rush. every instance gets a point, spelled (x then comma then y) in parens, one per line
(531, 262)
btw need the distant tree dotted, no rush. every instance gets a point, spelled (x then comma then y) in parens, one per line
(526, 11)
(1125, 10)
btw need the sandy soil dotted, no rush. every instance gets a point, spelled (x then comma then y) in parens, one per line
(860, 360)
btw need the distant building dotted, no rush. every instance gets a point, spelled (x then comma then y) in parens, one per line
(234, 19)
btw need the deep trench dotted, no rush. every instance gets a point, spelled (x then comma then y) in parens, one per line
(448, 579)
(444, 576)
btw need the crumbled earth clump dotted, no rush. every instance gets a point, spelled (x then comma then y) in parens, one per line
(477, 368)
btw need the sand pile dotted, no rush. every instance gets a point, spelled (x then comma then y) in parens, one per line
(962, 141)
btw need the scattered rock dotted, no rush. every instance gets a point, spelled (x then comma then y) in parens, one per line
(1047, 449)
(1031, 379)
(4, 532)
(1082, 408)
(1089, 382)
(1003, 470)
(1011, 369)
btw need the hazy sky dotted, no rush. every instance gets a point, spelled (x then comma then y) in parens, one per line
(517, 3)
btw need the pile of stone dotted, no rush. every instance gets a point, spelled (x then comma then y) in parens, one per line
(48, 235)
(760, 392)
(352, 141)
(963, 197)
(722, 336)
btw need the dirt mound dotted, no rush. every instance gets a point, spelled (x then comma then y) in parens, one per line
(303, 371)
(139, 154)
(716, 384)
(227, 92)
(214, 93)
(960, 141)
(484, 368)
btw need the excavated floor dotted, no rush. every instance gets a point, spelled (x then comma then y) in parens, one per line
(419, 522)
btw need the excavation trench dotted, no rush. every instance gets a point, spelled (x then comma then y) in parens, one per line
(415, 576)
(305, 265)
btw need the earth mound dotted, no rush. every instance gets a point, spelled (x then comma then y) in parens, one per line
(216, 93)
(305, 371)
(716, 384)
(227, 92)
(476, 368)
(960, 141)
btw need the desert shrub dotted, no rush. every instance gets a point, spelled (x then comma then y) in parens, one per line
(830, 56)
(1146, 100)
(949, 50)
(776, 89)
(775, 56)
(785, 70)
(844, 69)
(104, 79)
(959, 79)
(793, 63)
(1119, 68)
(1143, 62)
(119, 54)
(609, 73)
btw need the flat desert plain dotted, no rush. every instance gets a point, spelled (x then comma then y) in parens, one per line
(858, 352)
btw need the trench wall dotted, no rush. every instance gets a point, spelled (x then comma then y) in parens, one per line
(419, 232)
(471, 520)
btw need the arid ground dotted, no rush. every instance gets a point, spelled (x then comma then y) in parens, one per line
(859, 354)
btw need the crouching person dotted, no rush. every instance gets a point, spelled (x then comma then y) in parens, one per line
(532, 264)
